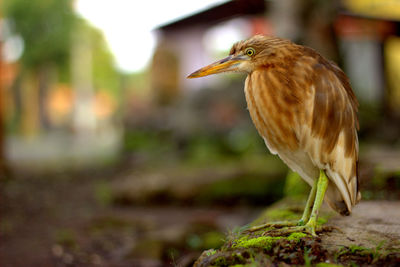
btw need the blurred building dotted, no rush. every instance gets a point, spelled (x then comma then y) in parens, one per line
(368, 34)
(194, 41)
(362, 36)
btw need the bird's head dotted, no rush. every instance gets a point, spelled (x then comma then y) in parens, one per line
(245, 56)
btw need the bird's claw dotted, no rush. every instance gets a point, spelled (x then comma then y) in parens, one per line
(274, 225)
(287, 228)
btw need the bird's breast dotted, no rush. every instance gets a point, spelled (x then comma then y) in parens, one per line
(273, 109)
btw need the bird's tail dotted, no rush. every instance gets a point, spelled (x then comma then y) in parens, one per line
(342, 197)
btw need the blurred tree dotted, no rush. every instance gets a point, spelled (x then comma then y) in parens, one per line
(92, 70)
(59, 47)
(2, 158)
(105, 76)
(2, 151)
(45, 27)
(165, 75)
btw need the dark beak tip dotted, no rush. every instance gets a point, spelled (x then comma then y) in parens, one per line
(192, 75)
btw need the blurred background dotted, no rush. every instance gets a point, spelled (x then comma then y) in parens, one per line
(109, 156)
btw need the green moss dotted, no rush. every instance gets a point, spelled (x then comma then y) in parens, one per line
(296, 236)
(246, 265)
(324, 264)
(210, 252)
(238, 257)
(220, 261)
(265, 242)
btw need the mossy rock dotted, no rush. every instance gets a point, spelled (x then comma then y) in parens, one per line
(265, 251)
(341, 242)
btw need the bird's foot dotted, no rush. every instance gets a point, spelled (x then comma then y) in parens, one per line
(288, 227)
(273, 225)
(308, 228)
(286, 231)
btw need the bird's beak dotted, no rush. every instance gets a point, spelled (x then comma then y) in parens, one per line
(229, 63)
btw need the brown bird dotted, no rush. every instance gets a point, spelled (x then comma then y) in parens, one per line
(305, 110)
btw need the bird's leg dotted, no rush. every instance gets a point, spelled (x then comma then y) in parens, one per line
(309, 204)
(314, 201)
(310, 213)
(319, 198)
(303, 220)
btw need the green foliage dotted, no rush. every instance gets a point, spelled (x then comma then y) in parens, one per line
(152, 144)
(211, 239)
(204, 148)
(354, 250)
(307, 258)
(49, 28)
(45, 27)
(295, 185)
(252, 188)
(324, 264)
(105, 76)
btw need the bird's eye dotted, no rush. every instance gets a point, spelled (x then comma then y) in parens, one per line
(250, 51)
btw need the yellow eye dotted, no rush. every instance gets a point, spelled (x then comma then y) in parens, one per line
(250, 51)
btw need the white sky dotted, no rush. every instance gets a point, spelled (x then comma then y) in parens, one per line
(127, 24)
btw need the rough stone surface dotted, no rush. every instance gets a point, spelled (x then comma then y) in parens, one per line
(369, 237)
(371, 223)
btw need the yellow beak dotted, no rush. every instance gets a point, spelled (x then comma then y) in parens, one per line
(229, 63)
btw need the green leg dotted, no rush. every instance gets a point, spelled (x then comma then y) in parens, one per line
(319, 198)
(310, 213)
(309, 205)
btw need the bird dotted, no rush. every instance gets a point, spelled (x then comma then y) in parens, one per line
(304, 108)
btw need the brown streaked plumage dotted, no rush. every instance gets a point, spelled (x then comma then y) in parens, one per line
(304, 108)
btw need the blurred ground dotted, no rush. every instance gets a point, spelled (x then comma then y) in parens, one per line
(164, 214)
(85, 218)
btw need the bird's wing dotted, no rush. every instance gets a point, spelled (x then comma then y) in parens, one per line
(330, 137)
(307, 115)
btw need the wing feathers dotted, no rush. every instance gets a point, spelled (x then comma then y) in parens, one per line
(334, 121)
